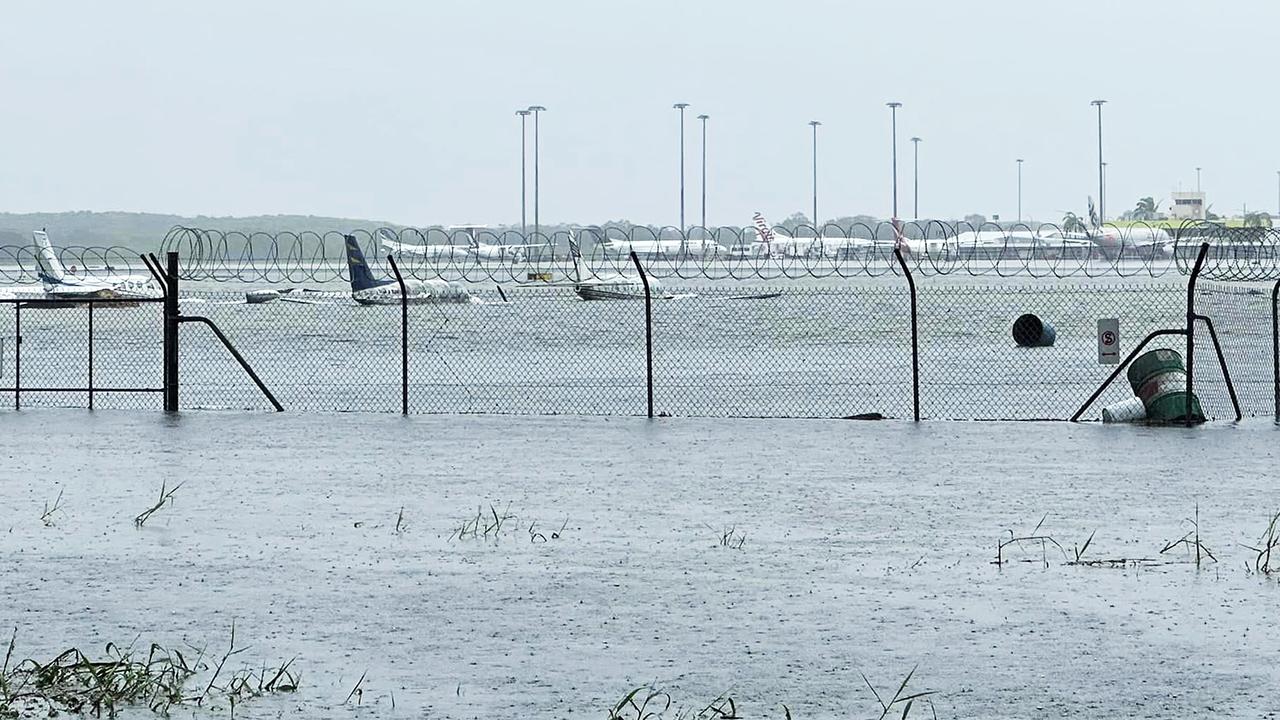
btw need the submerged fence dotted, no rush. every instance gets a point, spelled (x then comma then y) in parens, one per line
(874, 347)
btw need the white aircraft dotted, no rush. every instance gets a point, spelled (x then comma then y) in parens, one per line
(1018, 242)
(824, 246)
(391, 243)
(474, 248)
(59, 284)
(1140, 240)
(675, 248)
(492, 252)
(365, 290)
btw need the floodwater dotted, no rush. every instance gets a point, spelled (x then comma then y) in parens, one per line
(868, 549)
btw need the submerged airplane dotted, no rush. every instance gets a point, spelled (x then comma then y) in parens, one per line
(612, 286)
(56, 283)
(365, 290)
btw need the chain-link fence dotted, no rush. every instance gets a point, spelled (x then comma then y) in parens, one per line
(723, 351)
(98, 354)
(731, 350)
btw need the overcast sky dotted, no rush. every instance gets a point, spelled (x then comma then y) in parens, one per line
(404, 110)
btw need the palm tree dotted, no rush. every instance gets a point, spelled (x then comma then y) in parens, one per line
(1071, 223)
(1147, 209)
(1257, 219)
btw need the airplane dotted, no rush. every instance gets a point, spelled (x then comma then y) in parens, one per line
(474, 248)
(492, 252)
(391, 243)
(613, 286)
(824, 246)
(681, 247)
(59, 284)
(365, 290)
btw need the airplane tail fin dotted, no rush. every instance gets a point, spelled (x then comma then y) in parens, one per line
(361, 278)
(1093, 215)
(900, 240)
(51, 270)
(389, 240)
(763, 231)
(575, 252)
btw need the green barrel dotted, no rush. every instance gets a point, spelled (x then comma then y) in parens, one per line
(1159, 379)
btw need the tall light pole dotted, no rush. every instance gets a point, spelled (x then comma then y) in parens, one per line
(1197, 179)
(681, 107)
(536, 110)
(703, 118)
(524, 230)
(1102, 218)
(915, 177)
(1102, 201)
(1019, 189)
(814, 124)
(893, 108)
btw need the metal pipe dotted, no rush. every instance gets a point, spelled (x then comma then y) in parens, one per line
(537, 110)
(1019, 189)
(238, 357)
(1102, 201)
(681, 107)
(893, 108)
(1191, 329)
(1275, 346)
(1222, 361)
(1120, 368)
(524, 229)
(915, 333)
(171, 320)
(915, 178)
(648, 329)
(703, 118)
(814, 124)
(17, 357)
(404, 337)
(90, 354)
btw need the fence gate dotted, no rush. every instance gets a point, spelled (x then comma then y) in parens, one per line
(92, 352)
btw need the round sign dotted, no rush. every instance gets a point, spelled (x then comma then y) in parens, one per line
(1108, 338)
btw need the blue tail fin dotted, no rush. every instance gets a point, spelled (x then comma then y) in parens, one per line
(361, 278)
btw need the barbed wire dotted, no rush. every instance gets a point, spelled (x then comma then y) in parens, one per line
(18, 263)
(722, 253)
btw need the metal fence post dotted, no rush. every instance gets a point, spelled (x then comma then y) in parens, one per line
(90, 354)
(648, 328)
(171, 334)
(915, 334)
(404, 338)
(17, 356)
(1275, 346)
(1191, 329)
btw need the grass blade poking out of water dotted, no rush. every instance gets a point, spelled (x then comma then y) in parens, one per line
(75, 683)
(1191, 541)
(642, 703)
(165, 497)
(1268, 547)
(901, 698)
(51, 512)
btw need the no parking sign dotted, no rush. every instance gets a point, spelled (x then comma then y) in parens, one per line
(1109, 341)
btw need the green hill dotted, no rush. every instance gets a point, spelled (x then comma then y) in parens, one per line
(144, 231)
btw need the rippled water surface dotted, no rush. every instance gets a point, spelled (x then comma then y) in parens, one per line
(867, 548)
